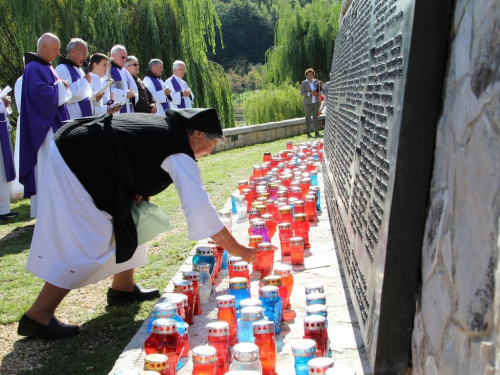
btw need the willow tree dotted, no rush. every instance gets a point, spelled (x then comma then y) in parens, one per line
(304, 38)
(164, 29)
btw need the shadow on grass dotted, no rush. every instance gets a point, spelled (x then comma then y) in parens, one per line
(24, 215)
(17, 241)
(93, 351)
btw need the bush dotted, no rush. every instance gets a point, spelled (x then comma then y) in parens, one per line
(274, 103)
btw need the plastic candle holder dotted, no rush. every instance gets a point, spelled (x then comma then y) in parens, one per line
(265, 258)
(297, 250)
(303, 351)
(285, 271)
(227, 313)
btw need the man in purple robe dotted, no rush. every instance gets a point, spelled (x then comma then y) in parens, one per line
(43, 110)
(70, 69)
(182, 96)
(124, 89)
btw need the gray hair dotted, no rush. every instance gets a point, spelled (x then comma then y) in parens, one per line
(155, 62)
(115, 48)
(129, 59)
(74, 43)
(209, 136)
(176, 64)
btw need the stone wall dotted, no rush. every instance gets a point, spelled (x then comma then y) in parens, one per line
(458, 313)
(271, 131)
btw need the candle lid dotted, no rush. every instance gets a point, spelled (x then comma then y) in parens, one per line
(319, 365)
(204, 354)
(183, 286)
(282, 202)
(225, 301)
(286, 177)
(285, 210)
(262, 199)
(283, 226)
(252, 313)
(225, 213)
(274, 185)
(265, 194)
(232, 260)
(267, 217)
(314, 172)
(316, 310)
(201, 267)
(299, 203)
(314, 287)
(300, 217)
(257, 167)
(310, 198)
(259, 180)
(127, 371)
(265, 246)
(240, 266)
(282, 194)
(269, 291)
(282, 270)
(164, 310)
(316, 298)
(149, 372)
(295, 189)
(205, 249)
(164, 326)
(340, 369)
(178, 298)
(217, 329)
(314, 322)
(254, 211)
(296, 241)
(256, 238)
(238, 283)
(191, 275)
(242, 182)
(304, 348)
(155, 362)
(263, 327)
(246, 352)
(259, 224)
(306, 180)
(250, 302)
(246, 191)
(273, 280)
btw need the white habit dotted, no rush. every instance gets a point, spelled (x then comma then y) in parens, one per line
(80, 89)
(159, 95)
(99, 107)
(177, 96)
(73, 244)
(16, 187)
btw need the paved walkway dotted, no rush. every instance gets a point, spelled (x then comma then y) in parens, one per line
(321, 264)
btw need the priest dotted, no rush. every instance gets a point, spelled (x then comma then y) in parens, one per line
(7, 169)
(182, 97)
(70, 69)
(43, 109)
(146, 102)
(161, 92)
(124, 89)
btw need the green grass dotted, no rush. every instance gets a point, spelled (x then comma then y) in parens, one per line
(106, 331)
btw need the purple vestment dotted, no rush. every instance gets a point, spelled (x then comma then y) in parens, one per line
(178, 88)
(115, 74)
(40, 111)
(8, 161)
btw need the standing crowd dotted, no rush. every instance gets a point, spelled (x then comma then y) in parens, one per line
(76, 88)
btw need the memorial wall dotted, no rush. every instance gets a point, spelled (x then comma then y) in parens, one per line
(383, 104)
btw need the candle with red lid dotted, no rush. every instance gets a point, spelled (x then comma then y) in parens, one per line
(194, 278)
(265, 258)
(285, 233)
(186, 287)
(270, 224)
(204, 360)
(297, 250)
(164, 339)
(301, 229)
(255, 240)
(285, 213)
(285, 271)
(230, 265)
(265, 339)
(275, 280)
(240, 269)
(227, 313)
(218, 337)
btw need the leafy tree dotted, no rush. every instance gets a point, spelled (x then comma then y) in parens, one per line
(164, 29)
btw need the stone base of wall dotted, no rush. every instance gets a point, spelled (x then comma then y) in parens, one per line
(271, 131)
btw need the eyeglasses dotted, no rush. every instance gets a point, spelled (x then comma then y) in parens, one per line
(84, 54)
(136, 64)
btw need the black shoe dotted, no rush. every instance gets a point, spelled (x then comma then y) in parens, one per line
(308, 135)
(316, 134)
(116, 297)
(55, 330)
(10, 215)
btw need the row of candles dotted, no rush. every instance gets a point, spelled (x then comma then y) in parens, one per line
(281, 194)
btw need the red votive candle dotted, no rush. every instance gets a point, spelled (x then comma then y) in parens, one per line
(297, 250)
(265, 258)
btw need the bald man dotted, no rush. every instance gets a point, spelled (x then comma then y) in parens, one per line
(43, 109)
